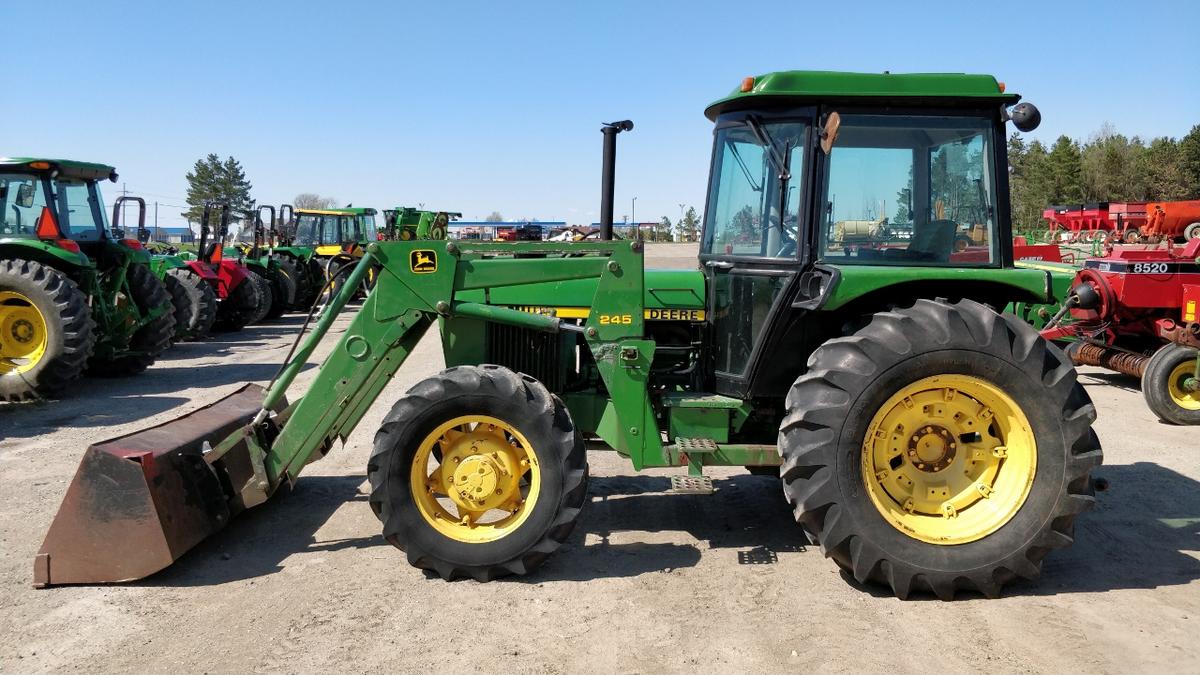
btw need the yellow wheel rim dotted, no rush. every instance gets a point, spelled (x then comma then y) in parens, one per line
(23, 334)
(1176, 386)
(481, 483)
(949, 459)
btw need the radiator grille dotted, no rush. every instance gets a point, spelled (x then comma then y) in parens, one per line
(534, 353)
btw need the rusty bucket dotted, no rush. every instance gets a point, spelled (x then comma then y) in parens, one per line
(139, 502)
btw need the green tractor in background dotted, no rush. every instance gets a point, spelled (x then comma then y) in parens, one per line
(404, 223)
(71, 296)
(274, 270)
(338, 238)
(192, 295)
(296, 243)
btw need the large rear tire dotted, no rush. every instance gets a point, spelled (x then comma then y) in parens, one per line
(198, 322)
(1164, 385)
(266, 296)
(46, 331)
(284, 287)
(942, 447)
(149, 295)
(185, 301)
(478, 472)
(239, 307)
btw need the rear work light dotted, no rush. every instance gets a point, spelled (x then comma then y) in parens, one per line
(68, 245)
(133, 244)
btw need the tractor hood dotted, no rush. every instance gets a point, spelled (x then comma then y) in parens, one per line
(671, 295)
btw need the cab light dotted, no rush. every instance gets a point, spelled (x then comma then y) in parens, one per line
(39, 165)
(747, 84)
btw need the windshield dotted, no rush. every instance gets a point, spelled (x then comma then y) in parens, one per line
(22, 198)
(366, 231)
(744, 200)
(910, 190)
(315, 229)
(82, 216)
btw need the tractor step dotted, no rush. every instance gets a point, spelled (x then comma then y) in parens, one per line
(696, 445)
(691, 485)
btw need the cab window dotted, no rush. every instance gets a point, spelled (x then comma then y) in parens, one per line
(910, 190)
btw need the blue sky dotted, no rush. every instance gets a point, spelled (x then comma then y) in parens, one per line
(477, 107)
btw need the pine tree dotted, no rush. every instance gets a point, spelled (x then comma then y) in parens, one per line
(1189, 162)
(1064, 165)
(213, 180)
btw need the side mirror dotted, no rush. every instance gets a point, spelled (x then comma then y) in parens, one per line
(1025, 116)
(833, 122)
(25, 195)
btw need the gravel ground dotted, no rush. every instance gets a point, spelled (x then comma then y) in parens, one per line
(648, 582)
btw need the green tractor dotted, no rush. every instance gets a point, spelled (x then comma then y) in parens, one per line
(404, 223)
(274, 270)
(339, 238)
(71, 296)
(192, 296)
(927, 442)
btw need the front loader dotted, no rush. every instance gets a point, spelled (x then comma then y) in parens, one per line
(925, 441)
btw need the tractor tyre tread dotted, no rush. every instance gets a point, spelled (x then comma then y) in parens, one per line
(148, 342)
(485, 389)
(1155, 380)
(831, 405)
(65, 307)
(265, 294)
(286, 289)
(200, 324)
(187, 303)
(237, 310)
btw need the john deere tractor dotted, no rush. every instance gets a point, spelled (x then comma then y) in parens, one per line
(272, 270)
(71, 295)
(404, 223)
(339, 238)
(927, 442)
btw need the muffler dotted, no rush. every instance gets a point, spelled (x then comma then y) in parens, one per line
(139, 502)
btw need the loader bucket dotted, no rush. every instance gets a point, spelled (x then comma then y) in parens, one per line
(139, 502)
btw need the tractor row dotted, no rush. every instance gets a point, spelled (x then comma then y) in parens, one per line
(78, 293)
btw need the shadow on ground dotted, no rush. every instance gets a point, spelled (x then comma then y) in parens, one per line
(1137, 537)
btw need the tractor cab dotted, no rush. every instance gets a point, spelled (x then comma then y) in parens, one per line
(823, 185)
(404, 223)
(57, 202)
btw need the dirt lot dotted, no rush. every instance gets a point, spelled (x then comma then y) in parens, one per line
(649, 581)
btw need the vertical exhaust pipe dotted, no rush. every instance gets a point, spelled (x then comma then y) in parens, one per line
(608, 174)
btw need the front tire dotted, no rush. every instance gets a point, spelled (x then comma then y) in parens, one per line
(1164, 385)
(478, 472)
(942, 447)
(46, 331)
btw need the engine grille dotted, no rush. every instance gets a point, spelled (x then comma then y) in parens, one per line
(534, 353)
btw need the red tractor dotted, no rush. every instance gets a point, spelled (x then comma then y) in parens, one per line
(1135, 312)
(240, 298)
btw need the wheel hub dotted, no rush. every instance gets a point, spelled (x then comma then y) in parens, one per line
(932, 448)
(22, 331)
(479, 483)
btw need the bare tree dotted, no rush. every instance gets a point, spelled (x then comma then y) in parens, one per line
(312, 200)
(495, 217)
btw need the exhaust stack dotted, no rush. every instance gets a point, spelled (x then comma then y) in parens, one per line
(608, 173)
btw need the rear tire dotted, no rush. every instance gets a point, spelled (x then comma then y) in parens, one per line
(1163, 389)
(197, 324)
(286, 288)
(186, 301)
(266, 296)
(836, 428)
(242, 303)
(552, 491)
(62, 312)
(149, 295)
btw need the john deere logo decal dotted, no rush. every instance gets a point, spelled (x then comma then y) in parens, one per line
(422, 261)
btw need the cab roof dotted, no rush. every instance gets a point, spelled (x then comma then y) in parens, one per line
(66, 167)
(825, 84)
(339, 212)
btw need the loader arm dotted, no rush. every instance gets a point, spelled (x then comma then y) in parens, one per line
(419, 281)
(181, 481)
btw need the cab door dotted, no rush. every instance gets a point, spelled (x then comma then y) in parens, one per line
(753, 238)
